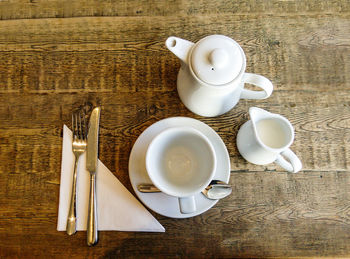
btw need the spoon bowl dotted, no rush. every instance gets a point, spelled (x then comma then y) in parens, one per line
(217, 190)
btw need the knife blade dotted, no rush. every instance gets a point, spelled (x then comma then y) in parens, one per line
(91, 166)
(92, 141)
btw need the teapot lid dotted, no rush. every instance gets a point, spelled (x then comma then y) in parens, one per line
(217, 59)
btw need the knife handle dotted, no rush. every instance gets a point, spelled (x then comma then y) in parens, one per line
(92, 215)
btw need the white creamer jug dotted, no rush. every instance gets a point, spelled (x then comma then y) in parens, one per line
(266, 138)
(212, 75)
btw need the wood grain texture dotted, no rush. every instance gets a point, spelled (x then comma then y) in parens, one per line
(56, 55)
(54, 49)
(35, 9)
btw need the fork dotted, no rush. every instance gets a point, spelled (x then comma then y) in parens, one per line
(78, 148)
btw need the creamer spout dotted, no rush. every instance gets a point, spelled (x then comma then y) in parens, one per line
(257, 114)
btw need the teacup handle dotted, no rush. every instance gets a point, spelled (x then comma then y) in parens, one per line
(187, 205)
(294, 165)
(259, 81)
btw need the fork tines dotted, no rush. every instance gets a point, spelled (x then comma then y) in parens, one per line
(79, 127)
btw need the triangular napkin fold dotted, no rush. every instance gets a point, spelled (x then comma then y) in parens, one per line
(117, 208)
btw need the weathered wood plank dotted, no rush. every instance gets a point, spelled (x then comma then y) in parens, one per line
(303, 54)
(276, 214)
(322, 123)
(34, 9)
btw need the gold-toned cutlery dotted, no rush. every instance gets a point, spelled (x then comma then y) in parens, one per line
(78, 148)
(91, 166)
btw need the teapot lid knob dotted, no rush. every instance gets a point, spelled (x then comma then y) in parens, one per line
(218, 58)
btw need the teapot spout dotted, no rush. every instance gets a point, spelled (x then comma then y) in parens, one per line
(181, 48)
(257, 114)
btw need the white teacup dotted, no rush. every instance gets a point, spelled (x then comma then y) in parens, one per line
(181, 162)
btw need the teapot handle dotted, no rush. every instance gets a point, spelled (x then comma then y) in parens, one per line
(259, 81)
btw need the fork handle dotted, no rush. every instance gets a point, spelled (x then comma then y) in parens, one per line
(92, 215)
(72, 213)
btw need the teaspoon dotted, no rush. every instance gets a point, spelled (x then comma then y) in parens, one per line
(215, 190)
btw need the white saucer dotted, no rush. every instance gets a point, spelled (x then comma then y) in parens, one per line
(160, 202)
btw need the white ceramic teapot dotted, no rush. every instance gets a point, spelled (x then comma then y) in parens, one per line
(212, 75)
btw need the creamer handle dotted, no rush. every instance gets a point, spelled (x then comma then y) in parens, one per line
(293, 165)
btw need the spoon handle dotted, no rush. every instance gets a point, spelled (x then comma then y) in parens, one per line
(147, 187)
(215, 191)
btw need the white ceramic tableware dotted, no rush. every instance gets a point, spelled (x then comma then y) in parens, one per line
(212, 75)
(161, 203)
(181, 162)
(266, 138)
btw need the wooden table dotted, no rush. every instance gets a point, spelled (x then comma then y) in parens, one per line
(56, 55)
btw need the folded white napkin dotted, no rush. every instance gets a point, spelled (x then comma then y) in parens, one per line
(117, 208)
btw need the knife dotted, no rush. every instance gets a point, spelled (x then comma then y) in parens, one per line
(91, 166)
